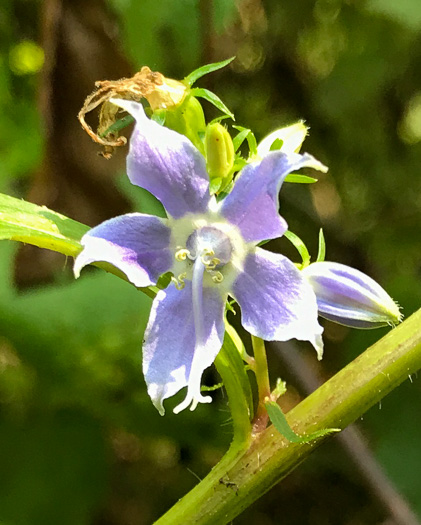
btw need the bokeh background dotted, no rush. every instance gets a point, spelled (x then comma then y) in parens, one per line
(80, 442)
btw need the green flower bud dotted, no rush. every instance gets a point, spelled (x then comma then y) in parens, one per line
(220, 156)
(189, 120)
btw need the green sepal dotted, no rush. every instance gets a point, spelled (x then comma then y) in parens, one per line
(245, 133)
(204, 70)
(213, 99)
(280, 422)
(236, 339)
(215, 185)
(159, 116)
(279, 390)
(300, 179)
(118, 126)
(322, 247)
(300, 246)
(218, 119)
(204, 388)
(236, 381)
(164, 280)
(276, 144)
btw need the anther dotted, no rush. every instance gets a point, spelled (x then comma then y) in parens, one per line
(179, 281)
(181, 255)
(217, 277)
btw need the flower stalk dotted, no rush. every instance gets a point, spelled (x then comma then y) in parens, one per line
(263, 385)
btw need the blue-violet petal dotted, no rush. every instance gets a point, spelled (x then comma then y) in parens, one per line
(166, 164)
(170, 346)
(277, 303)
(137, 244)
(253, 203)
(349, 297)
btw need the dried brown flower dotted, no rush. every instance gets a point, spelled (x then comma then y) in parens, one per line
(160, 92)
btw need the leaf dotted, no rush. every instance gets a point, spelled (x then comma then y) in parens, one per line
(204, 70)
(281, 424)
(213, 99)
(300, 246)
(37, 225)
(301, 179)
(322, 247)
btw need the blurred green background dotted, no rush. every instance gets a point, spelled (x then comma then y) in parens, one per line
(80, 442)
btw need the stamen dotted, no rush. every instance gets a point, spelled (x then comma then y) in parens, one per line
(217, 277)
(181, 255)
(206, 253)
(178, 283)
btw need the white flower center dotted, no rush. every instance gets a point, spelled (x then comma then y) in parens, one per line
(216, 243)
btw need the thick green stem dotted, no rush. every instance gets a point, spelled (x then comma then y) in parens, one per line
(243, 476)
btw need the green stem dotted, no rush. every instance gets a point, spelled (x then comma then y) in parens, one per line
(263, 384)
(243, 476)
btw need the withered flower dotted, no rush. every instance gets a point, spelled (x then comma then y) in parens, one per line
(159, 91)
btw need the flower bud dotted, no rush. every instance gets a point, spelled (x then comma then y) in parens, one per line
(189, 120)
(220, 155)
(287, 139)
(349, 297)
(167, 94)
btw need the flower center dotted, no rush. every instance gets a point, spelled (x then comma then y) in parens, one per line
(209, 246)
(210, 239)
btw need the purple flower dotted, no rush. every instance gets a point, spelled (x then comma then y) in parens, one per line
(349, 297)
(211, 250)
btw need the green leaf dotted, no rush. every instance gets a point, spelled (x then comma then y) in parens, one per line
(301, 179)
(204, 70)
(213, 99)
(37, 225)
(251, 139)
(322, 247)
(300, 246)
(281, 424)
